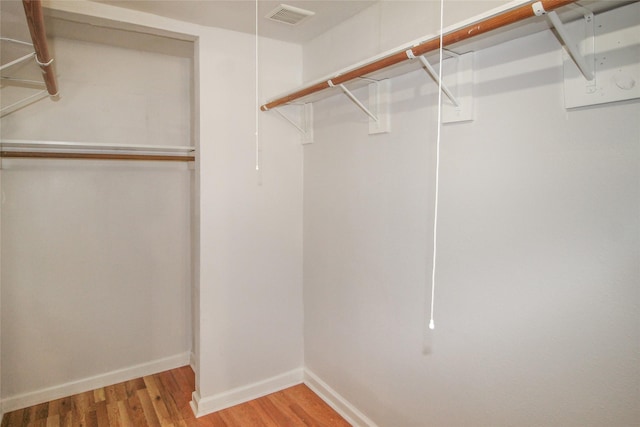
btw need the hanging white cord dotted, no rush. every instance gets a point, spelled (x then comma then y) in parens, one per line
(435, 214)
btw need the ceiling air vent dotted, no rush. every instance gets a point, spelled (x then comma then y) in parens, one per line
(289, 14)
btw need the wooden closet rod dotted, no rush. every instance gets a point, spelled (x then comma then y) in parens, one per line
(94, 156)
(35, 21)
(492, 23)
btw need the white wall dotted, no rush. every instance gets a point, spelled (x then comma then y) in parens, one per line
(537, 298)
(96, 255)
(251, 223)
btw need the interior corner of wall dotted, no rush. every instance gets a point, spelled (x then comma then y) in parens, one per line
(332, 398)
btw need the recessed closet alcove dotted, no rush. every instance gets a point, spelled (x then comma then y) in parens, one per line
(97, 254)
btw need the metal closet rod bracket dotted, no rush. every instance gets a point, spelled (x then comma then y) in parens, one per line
(290, 120)
(18, 61)
(355, 100)
(306, 125)
(565, 37)
(23, 102)
(434, 76)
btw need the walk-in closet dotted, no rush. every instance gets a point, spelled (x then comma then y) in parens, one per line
(367, 213)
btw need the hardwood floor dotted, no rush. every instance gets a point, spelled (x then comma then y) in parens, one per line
(163, 400)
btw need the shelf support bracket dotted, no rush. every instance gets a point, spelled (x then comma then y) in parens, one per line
(457, 73)
(565, 38)
(18, 61)
(434, 75)
(355, 100)
(290, 120)
(23, 102)
(379, 93)
(306, 125)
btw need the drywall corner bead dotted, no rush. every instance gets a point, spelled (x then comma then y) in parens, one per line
(538, 8)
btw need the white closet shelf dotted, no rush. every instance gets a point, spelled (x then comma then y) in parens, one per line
(11, 148)
(513, 20)
(18, 55)
(21, 144)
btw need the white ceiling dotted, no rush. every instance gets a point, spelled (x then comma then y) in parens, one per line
(240, 15)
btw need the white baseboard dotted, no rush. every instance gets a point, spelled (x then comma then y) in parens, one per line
(207, 405)
(337, 402)
(200, 406)
(13, 403)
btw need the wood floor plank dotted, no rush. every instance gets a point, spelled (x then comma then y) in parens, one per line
(7, 418)
(26, 416)
(121, 392)
(64, 405)
(176, 398)
(136, 413)
(163, 400)
(66, 419)
(53, 421)
(101, 414)
(169, 392)
(125, 421)
(40, 411)
(92, 418)
(81, 404)
(133, 386)
(156, 400)
(54, 408)
(306, 400)
(147, 407)
(243, 415)
(183, 381)
(283, 401)
(187, 374)
(216, 420)
(98, 395)
(280, 413)
(113, 414)
(110, 394)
